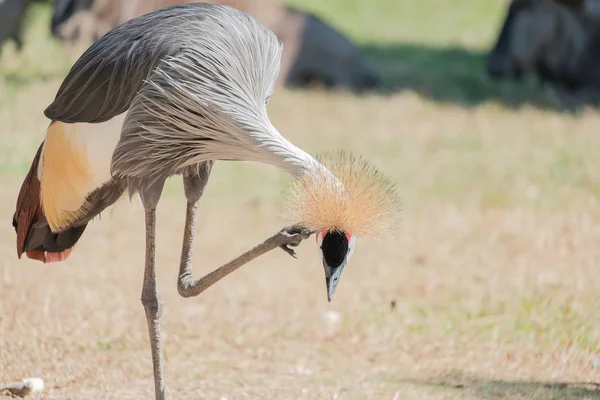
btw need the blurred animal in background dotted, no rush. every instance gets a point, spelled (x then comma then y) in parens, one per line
(324, 55)
(314, 51)
(11, 18)
(83, 23)
(559, 41)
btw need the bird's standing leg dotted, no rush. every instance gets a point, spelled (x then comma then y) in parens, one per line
(152, 303)
(187, 285)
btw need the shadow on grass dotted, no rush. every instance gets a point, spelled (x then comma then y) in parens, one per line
(485, 389)
(450, 75)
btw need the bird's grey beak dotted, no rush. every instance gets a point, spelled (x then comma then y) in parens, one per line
(332, 278)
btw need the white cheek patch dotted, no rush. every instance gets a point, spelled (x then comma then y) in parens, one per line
(351, 245)
(100, 140)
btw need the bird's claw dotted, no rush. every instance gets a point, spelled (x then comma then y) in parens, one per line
(288, 250)
(292, 236)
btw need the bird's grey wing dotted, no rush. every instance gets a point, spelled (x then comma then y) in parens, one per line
(106, 78)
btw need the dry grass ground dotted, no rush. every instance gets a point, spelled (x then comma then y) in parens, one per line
(489, 290)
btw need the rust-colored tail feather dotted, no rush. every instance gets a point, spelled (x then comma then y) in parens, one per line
(34, 237)
(28, 203)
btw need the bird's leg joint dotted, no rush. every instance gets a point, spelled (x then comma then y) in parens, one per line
(292, 236)
(153, 305)
(184, 284)
(194, 181)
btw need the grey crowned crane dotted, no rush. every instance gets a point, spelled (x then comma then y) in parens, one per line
(194, 81)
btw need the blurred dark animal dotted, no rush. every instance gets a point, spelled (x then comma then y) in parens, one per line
(314, 52)
(324, 54)
(85, 21)
(65, 9)
(11, 18)
(557, 40)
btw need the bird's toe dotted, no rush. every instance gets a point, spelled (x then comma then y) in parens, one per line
(306, 233)
(292, 236)
(291, 252)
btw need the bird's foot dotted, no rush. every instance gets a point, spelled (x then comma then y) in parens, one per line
(292, 236)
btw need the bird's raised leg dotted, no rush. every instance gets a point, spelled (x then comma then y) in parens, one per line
(289, 236)
(187, 285)
(152, 303)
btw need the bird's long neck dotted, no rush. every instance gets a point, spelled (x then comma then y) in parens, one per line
(285, 155)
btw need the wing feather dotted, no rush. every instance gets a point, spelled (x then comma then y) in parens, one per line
(106, 78)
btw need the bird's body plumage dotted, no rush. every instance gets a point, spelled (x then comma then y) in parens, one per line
(163, 68)
(184, 86)
(162, 71)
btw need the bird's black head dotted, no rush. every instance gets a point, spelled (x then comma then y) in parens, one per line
(336, 249)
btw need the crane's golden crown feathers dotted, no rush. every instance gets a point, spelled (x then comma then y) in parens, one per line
(367, 204)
